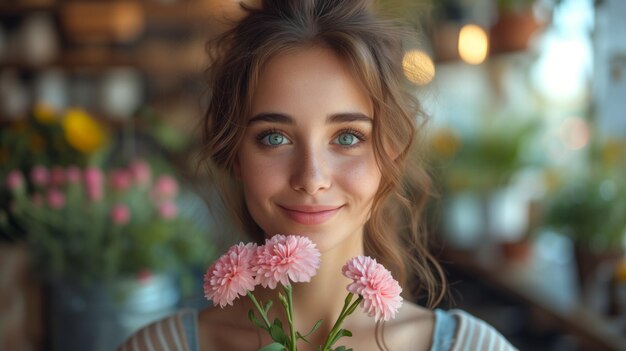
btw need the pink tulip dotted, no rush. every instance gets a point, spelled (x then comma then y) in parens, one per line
(56, 199)
(57, 176)
(166, 188)
(120, 214)
(168, 210)
(15, 180)
(94, 183)
(39, 175)
(120, 180)
(72, 174)
(142, 174)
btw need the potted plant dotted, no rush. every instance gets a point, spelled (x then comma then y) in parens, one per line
(108, 243)
(590, 208)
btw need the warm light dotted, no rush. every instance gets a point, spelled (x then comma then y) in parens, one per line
(574, 133)
(418, 67)
(473, 44)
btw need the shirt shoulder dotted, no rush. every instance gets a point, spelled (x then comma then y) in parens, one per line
(175, 332)
(473, 333)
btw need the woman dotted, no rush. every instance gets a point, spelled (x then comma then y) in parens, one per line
(309, 131)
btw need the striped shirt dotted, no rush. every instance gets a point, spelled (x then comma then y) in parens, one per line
(454, 330)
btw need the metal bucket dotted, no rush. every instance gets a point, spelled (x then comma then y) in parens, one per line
(100, 317)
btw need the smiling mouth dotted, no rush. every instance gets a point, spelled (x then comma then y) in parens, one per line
(310, 215)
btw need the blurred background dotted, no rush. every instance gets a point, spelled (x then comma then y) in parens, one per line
(102, 223)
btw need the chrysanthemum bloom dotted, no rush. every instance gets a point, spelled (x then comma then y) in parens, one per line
(56, 199)
(168, 210)
(94, 183)
(120, 179)
(165, 188)
(120, 214)
(142, 174)
(231, 275)
(40, 176)
(15, 180)
(372, 281)
(286, 258)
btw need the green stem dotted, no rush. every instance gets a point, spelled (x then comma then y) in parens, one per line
(345, 312)
(292, 329)
(261, 310)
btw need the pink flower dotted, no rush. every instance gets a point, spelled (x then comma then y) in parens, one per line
(120, 214)
(168, 210)
(57, 176)
(120, 179)
(165, 188)
(286, 258)
(15, 180)
(372, 281)
(40, 175)
(72, 174)
(141, 172)
(231, 275)
(93, 182)
(56, 199)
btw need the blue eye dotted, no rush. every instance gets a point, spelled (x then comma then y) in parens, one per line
(273, 139)
(349, 138)
(346, 139)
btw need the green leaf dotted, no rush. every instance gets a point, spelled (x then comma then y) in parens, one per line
(315, 327)
(341, 333)
(299, 336)
(273, 347)
(252, 317)
(277, 333)
(268, 305)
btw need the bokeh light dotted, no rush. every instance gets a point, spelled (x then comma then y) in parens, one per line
(473, 44)
(418, 67)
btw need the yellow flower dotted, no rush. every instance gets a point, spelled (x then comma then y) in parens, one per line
(44, 113)
(445, 143)
(82, 132)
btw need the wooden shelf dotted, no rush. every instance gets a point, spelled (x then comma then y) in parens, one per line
(180, 12)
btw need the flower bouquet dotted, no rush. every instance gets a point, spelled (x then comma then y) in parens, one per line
(87, 225)
(291, 259)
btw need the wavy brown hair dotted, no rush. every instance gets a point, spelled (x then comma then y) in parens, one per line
(395, 233)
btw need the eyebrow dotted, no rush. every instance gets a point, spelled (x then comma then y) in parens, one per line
(334, 118)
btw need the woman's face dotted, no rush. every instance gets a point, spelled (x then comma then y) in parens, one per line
(306, 161)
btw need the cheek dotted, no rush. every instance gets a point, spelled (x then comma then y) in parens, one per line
(261, 177)
(360, 178)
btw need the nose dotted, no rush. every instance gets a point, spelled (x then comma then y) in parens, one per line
(311, 172)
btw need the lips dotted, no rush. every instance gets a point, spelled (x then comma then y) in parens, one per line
(310, 215)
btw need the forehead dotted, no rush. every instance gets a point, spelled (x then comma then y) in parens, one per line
(309, 82)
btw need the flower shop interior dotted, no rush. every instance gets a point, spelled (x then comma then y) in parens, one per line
(104, 223)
